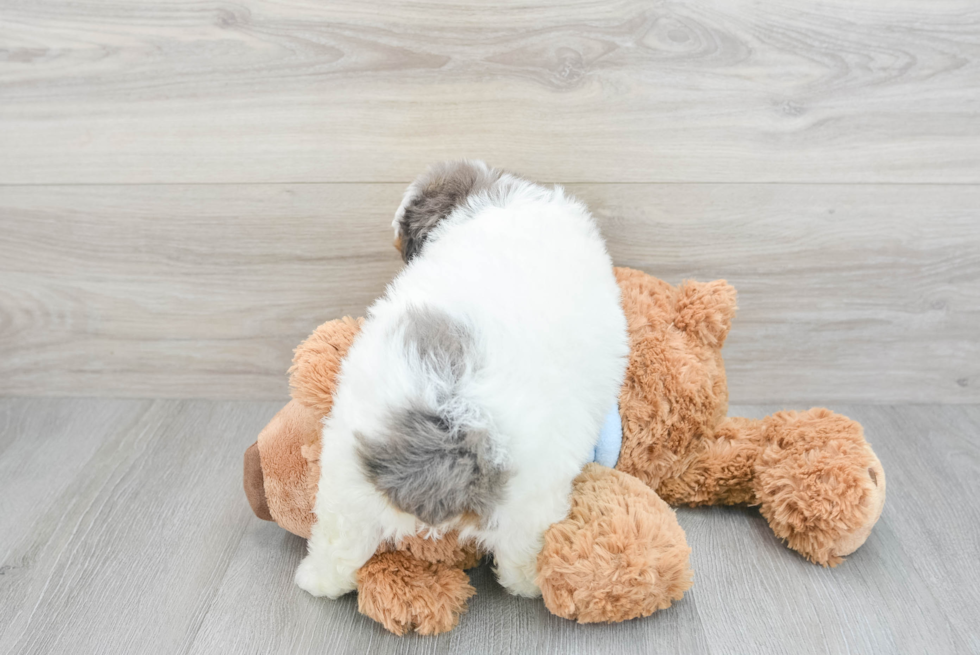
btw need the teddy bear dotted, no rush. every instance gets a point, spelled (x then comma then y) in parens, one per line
(620, 553)
(639, 558)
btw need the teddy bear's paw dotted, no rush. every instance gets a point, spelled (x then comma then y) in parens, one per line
(323, 578)
(819, 484)
(403, 593)
(850, 540)
(620, 554)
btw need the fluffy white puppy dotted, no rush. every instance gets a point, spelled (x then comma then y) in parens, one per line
(475, 391)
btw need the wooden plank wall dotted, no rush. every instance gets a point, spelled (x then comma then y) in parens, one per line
(186, 190)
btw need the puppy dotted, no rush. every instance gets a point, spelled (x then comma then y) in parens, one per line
(475, 391)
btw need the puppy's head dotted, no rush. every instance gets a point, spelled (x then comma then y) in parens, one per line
(433, 196)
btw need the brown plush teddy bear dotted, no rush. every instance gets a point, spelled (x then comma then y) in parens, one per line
(621, 553)
(638, 559)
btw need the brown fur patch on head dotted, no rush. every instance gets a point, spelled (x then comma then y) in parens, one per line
(814, 486)
(675, 390)
(619, 555)
(434, 195)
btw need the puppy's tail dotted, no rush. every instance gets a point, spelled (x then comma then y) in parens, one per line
(430, 468)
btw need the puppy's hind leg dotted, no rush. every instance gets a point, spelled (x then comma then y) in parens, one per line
(519, 536)
(346, 534)
(330, 567)
(516, 563)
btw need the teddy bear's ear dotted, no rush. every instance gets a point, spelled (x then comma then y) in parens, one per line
(316, 363)
(706, 309)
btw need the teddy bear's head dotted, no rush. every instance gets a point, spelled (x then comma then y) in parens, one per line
(282, 468)
(675, 389)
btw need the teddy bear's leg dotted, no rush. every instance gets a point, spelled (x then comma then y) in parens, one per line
(619, 555)
(719, 470)
(812, 473)
(420, 585)
(403, 592)
(818, 483)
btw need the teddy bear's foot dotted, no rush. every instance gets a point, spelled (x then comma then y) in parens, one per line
(619, 555)
(401, 593)
(818, 483)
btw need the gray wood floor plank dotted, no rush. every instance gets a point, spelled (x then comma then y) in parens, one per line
(581, 91)
(125, 529)
(48, 449)
(936, 490)
(259, 610)
(880, 599)
(847, 293)
(141, 536)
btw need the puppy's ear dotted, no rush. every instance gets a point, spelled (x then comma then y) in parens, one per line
(434, 196)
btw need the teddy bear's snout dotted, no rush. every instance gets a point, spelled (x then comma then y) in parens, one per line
(255, 483)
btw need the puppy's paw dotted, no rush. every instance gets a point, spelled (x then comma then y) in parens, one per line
(323, 578)
(518, 580)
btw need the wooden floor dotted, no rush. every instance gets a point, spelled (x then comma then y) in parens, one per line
(125, 530)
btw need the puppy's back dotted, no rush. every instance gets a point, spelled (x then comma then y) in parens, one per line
(433, 458)
(519, 295)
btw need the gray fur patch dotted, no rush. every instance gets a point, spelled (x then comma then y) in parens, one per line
(428, 461)
(432, 469)
(441, 343)
(441, 189)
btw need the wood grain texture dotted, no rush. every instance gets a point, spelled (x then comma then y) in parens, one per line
(847, 292)
(126, 530)
(127, 555)
(582, 91)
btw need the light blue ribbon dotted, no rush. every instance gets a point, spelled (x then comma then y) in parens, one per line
(610, 439)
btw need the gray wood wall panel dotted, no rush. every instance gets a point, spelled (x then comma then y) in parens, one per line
(582, 91)
(864, 293)
(125, 529)
(187, 189)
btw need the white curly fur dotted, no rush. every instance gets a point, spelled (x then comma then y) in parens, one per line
(526, 271)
